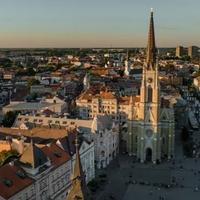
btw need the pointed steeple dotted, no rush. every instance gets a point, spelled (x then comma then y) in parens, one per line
(127, 67)
(78, 189)
(86, 81)
(78, 172)
(151, 46)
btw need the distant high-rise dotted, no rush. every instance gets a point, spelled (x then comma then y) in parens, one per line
(179, 51)
(193, 51)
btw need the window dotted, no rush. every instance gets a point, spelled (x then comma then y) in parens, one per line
(26, 196)
(149, 95)
(103, 153)
(163, 140)
(43, 196)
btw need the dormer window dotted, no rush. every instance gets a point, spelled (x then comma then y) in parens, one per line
(21, 174)
(8, 182)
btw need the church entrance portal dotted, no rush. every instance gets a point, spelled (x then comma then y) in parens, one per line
(148, 154)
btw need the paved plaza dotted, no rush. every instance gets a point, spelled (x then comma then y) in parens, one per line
(135, 181)
(170, 180)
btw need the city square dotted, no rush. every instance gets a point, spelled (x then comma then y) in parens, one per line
(128, 179)
(99, 100)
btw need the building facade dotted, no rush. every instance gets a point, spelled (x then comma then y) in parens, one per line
(86, 151)
(102, 130)
(45, 172)
(193, 51)
(40, 173)
(179, 51)
(151, 123)
(105, 133)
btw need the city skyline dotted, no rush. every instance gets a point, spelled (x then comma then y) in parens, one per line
(64, 24)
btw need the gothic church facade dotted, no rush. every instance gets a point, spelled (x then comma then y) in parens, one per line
(150, 122)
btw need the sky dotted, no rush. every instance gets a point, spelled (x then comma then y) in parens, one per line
(97, 23)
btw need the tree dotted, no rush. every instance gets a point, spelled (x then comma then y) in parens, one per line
(30, 71)
(9, 118)
(5, 62)
(33, 82)
(25, 72)
(4, 155)
(34, 96)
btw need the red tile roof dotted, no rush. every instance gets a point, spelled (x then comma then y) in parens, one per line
(57, 155)
(14, 181)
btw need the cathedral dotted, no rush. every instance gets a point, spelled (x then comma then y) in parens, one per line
(150, 135)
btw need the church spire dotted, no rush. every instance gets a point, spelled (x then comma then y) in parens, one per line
(78, 172)
(151, 46)
(78, 189)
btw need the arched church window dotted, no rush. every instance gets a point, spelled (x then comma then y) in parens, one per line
(163, 140)
(149, 94)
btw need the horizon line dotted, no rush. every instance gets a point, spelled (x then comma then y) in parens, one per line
(2, 48)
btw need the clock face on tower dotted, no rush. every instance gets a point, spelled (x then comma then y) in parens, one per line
(149, 133)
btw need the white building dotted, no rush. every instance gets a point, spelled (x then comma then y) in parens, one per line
(55, 105)
(102, 130)
(105, 134)
(40, 89)
(86, 151)
(86, 82)
(41, 173)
